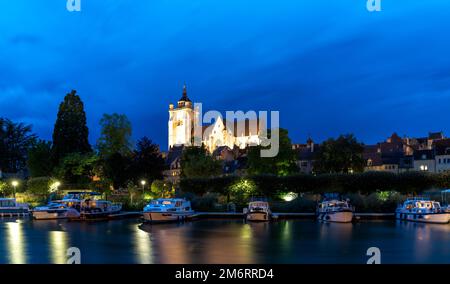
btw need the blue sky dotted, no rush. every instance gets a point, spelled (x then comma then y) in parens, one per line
(329, 67)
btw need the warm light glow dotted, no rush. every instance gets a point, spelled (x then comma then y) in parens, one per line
(15, 243)
(143, 182)
(54, 186)
(59, 243)
(290, 196)
(15, 183)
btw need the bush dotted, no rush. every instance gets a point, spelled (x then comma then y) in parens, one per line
(39, 186)
(208, 202)
(377, 202)
(299, 204)
(366, 183)
(32, 199)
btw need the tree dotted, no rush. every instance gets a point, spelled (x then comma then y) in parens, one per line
(162, 189)
(148, 163)
(115, 135)
(342, 155)
(283, 164)
(116, 169)
(15, 141)
(195, 162)
(39, 185)
(39, 161)
(70, 134)
(77, 169)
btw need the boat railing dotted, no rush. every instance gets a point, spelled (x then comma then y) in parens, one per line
(258, 198)
(418, 198)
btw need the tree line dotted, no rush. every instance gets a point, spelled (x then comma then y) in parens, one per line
(112, 163)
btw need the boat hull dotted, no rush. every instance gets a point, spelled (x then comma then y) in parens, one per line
(337, 217)
(55, 214)
(258, 216)
(166, 216)
(435, 218)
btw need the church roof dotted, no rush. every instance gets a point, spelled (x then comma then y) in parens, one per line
(184, 97)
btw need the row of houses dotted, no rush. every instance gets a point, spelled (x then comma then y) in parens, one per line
(396, 154)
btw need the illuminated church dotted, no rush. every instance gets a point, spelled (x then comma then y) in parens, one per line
(185, 128)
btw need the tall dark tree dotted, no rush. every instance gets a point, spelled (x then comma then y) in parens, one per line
(343, 155)
(77, 169)
(148, 163)
(196, 162)
(115, 135)
(39, 159)
(283, 164)
(15, 141)
(116, 169)
(70, 134)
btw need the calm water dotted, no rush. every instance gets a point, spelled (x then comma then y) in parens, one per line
(222, 241)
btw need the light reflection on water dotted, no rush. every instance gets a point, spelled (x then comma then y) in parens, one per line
(223, 241)
(16, 243)
(59, 243)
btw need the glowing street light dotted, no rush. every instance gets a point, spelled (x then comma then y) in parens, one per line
(14, 183)
(143, 182)
(54, 186)
(290, 196)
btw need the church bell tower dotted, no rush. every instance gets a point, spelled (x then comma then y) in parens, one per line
(181, 121)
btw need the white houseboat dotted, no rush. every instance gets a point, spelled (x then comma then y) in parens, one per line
(167, 209)
(335, 211)
(55, 210)
(93, 207)
(420, 209)
(258, 210)
(77, 205)
(10, 208)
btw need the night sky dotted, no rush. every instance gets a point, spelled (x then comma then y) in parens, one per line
(329, 67)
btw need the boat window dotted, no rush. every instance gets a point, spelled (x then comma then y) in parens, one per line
(7, 203)
(178, 204)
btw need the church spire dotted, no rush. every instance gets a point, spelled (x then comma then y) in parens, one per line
(184, 91)
(184, 97)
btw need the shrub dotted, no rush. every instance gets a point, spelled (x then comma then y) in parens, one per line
(39, 186)
(208, 202)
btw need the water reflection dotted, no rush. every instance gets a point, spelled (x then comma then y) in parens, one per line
(59, 243)
(143, 246)
(422, 237)
(169, 242)
(16, 243)
(223, 241)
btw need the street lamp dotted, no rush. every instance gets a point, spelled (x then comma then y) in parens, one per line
(14, 183)
(143, 182)
(54, 186)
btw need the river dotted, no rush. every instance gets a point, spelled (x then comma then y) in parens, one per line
(222, 241)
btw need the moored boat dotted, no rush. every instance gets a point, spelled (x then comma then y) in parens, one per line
(258, 210)
(421, 209)
(335, 211)
(167, 210)
(55, 210)
(67, 207)
(10, 208)
(93, 207)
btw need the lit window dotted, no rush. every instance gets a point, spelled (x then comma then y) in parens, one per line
(424, 168)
